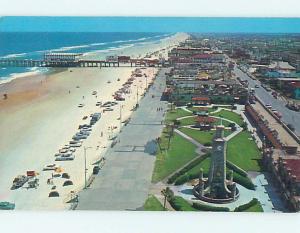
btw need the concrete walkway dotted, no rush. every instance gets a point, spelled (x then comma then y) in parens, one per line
(124, 181)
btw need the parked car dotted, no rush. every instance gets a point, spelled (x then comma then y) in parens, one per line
(5, 205)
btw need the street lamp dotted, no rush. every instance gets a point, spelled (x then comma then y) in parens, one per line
(121, 106)
(85, 169)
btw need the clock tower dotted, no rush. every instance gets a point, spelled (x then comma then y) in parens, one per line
(216, 188)
(217, 171)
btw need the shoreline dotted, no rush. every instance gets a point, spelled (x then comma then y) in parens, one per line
(43, 116)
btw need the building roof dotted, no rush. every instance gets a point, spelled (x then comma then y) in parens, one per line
(281, 65)
(201, 98)
(294, 166)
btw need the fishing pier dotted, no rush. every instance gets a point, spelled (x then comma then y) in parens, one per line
(76, 60)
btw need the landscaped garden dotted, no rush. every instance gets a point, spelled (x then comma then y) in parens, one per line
(203, 137)
(180, 152)
(230, 116)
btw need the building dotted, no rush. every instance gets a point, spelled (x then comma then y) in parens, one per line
(216, 188)
(200, 101)
(285, 171)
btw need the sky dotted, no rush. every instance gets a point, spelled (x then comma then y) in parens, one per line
(150, 24)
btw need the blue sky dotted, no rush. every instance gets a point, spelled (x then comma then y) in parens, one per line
(150, 24)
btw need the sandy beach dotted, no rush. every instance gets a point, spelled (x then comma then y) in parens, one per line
(41, 115)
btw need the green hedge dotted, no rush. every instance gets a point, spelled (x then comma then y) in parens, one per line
(246, 206)
(236, 169)
(244, 181)
(204, 207)
(180, 204)
(187, 168)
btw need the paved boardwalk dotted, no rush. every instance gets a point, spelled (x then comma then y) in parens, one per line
(124, 181)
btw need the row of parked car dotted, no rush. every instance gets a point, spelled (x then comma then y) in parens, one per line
(66, 152)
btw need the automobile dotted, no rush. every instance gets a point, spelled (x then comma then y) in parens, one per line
(5, 205)
(76, 145)
(108, 109)
(86, 129)
(80, 105)
(85, 117)
(62, 154)
(84, 125)
(256, 86)
(72, 150)
(50, 167)
(94, 93)
(73, 142)
(65, 157)
(98, 104)
(85, 132)
(108, 81)
(19, 181)
(79, 136)
(63, 150)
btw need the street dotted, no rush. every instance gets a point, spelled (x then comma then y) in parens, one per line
(124, 181)
(288, 116)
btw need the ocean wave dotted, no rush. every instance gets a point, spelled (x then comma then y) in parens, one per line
(14, 55)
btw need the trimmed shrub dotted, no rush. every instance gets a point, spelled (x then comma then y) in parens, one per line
(179, 204)
(207, 144)
(244, 181)
(236, 169)
(204, 207)
(246, 206)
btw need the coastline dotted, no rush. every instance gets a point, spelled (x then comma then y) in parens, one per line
(41, 115)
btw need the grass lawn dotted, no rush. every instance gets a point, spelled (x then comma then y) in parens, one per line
(152, 204)
(230, 116)
(179, 204)
(180, 152)
(188, 121)
(202, 137)
(244, 152)
(176, 113)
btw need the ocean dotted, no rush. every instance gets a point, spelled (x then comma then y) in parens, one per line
(31, 37)
(33, 45)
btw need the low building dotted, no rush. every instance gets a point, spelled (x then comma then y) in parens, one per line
(285, 170)
(200, 100)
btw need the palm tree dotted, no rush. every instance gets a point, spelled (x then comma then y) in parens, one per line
(168, 194)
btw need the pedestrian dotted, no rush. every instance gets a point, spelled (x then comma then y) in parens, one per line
(101, 133)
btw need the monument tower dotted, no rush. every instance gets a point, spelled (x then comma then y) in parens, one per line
(216, 188)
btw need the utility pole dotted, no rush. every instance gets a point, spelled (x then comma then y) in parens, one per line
(121, 106)
(85, 169)
(137, 95)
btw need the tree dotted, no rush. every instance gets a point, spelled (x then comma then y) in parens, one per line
(168, 194)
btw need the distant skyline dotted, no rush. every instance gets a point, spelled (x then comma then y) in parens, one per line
(150, 24)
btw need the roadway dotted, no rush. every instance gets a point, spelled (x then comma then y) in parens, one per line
(124, 181)
(288, 116)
